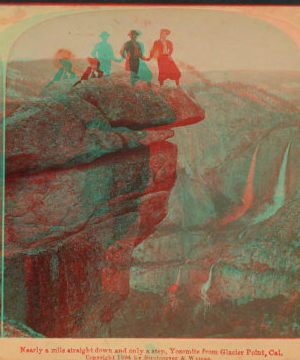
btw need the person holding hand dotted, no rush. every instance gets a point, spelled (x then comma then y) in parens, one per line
(162, 50)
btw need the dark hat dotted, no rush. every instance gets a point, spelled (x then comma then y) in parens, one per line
(168, 32)
(132, 32)
(104, 34)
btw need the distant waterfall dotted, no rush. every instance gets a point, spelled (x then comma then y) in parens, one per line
(279, 195)
(239, 210)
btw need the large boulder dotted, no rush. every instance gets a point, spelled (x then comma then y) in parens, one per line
(88, 121)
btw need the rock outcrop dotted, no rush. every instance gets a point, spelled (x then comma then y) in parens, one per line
(223, 194)
(87, 181)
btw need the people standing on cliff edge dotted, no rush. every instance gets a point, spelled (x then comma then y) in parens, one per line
(103, 52)
(162, 50)
(133, 52)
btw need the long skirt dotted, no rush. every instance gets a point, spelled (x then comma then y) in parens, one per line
(167, 69)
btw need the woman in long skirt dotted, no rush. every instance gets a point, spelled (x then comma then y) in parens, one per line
(162, 50)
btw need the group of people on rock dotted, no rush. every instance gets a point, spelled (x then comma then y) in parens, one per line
(133, 52)
(162, 50)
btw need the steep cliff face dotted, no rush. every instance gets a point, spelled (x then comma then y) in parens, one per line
(86, 183)
(233, 213)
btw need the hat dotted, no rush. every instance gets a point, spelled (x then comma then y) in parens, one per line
(168, 32)
(104, 34)
(132, 32)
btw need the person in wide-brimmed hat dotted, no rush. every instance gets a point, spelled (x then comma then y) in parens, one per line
(104, 35)
(132, 49)
(104, 53)
(162, 50)
(133, 33)
(144, 73)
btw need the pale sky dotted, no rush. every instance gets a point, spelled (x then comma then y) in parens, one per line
(208, 38)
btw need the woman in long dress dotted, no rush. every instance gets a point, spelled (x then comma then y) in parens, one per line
(162, 50)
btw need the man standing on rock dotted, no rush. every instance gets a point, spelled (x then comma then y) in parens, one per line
(103, 52)
(134, 53)
(162, 51)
